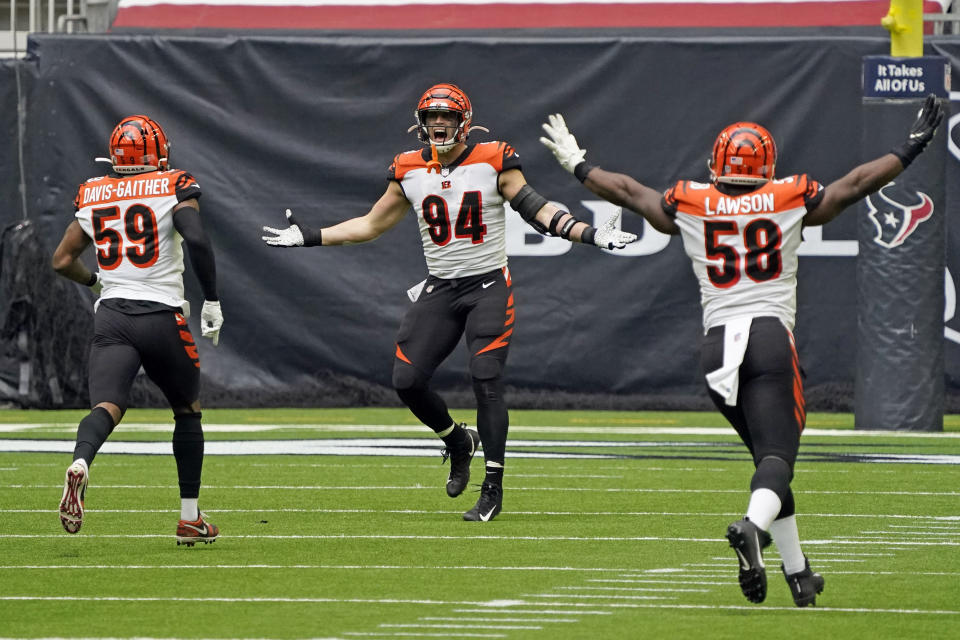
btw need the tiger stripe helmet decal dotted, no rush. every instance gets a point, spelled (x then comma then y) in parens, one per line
(137, 145)
(744, 154)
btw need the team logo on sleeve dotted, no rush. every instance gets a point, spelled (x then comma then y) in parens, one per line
(894, 220)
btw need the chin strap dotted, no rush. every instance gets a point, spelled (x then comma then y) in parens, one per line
(434, 164)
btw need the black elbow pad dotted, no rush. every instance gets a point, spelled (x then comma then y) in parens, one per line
(538, 226)
(527, 202)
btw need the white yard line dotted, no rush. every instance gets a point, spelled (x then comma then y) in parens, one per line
(683, 577)
(418, 487)
(847, 541)
(685, 514)
(322, 567)
(754, 609)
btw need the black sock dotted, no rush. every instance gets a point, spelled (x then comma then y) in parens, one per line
(188, 452)
(428, 406)
(457, 439)
(494, 476)
(493, 419)
(92, 432)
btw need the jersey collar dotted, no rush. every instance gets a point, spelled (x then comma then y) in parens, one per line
(425, 154)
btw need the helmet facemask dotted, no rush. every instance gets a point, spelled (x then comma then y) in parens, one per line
(442, 136)
(448, 98)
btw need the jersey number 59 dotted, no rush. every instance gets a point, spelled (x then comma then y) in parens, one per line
(137, 242)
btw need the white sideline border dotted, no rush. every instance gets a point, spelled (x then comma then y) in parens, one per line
(410, 447)
(145, 427)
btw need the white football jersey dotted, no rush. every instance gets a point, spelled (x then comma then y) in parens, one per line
(130, 219)
(459, 208)
(744, 247)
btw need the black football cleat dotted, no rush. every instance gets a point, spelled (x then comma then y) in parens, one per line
(460, 459)
(804, 585)
(748, 541)
(489, 504)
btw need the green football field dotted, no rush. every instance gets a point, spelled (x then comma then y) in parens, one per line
(335, 524)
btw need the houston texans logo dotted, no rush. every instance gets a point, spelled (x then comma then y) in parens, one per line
(895, 221)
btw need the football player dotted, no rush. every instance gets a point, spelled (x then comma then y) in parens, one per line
(742, 232)
(457, 190)
(137, 216)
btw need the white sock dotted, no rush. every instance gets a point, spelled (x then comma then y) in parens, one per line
(787, 538)
(189, 510)
(763, 508)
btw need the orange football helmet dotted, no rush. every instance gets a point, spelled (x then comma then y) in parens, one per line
(744, 154)
(444, 97)
(137, 145)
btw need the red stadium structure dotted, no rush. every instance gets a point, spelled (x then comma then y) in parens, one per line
(505, 14)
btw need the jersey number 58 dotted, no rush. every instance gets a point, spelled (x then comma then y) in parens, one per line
(761, 259)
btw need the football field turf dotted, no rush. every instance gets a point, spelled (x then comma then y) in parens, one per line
(335, 524)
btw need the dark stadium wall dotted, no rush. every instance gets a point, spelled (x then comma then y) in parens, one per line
(266, 123)
(10, 203)
(951, 50)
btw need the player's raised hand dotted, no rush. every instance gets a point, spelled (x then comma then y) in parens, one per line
(562, 143)
(928, 120)
(609, 235)
(289, 237)
(922, 131)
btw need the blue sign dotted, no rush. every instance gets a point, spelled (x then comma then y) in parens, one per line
(888, 77)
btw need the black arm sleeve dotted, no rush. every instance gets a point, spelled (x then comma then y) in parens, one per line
(186, 220)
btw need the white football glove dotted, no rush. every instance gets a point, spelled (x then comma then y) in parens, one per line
(289, 237)
(609, 236)
(562, 143)
(211, 319)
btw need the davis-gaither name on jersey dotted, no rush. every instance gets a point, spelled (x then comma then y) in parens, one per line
(125, 189)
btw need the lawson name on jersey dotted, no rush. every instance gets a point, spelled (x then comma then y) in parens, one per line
(749, 203)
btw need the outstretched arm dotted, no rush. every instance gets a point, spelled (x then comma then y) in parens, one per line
(384, 215)
(870, 176)
(621, 189)
(618, 188)
(548, 218)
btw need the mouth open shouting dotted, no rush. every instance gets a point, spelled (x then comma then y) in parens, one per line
(439, 135)
(442, 128)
